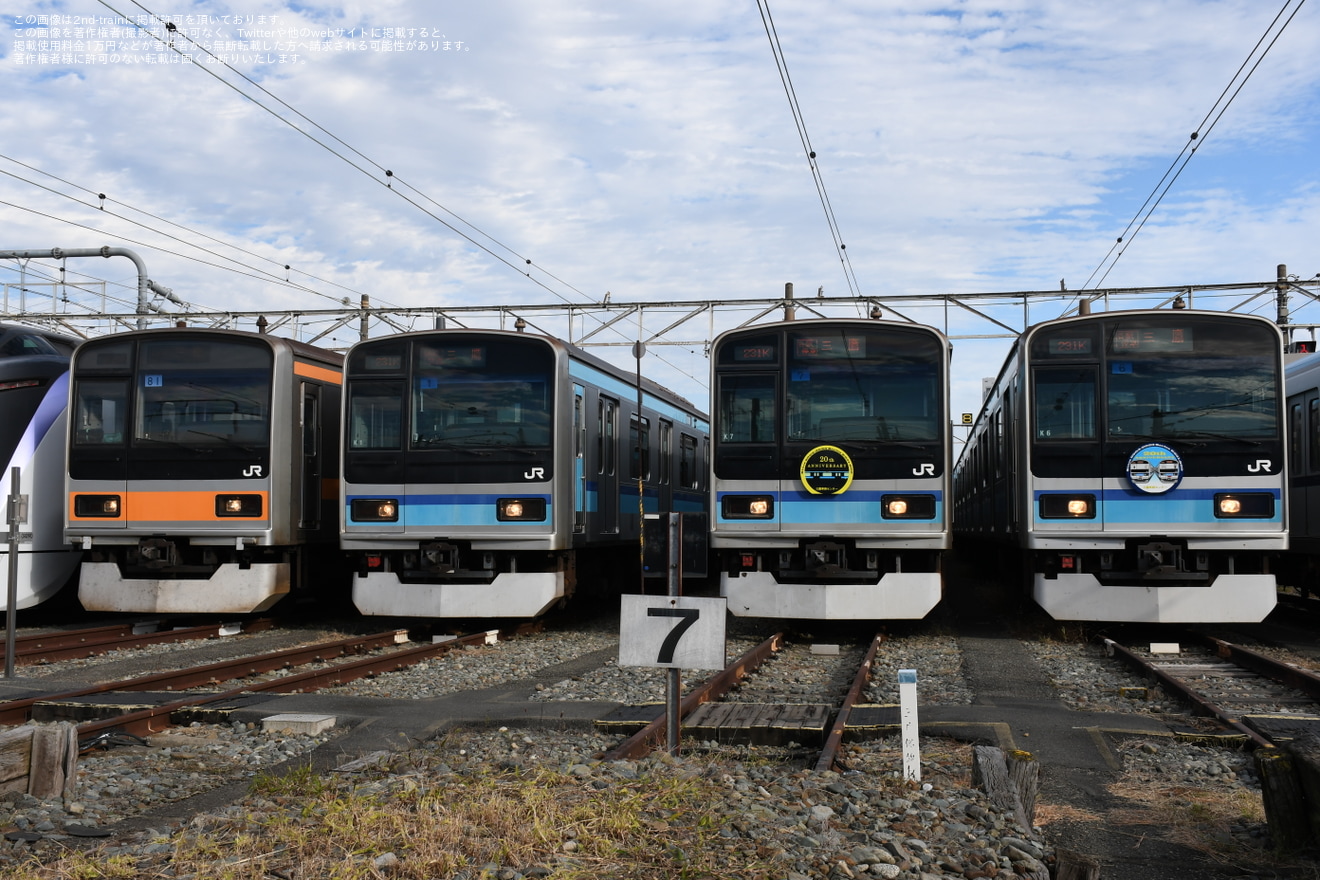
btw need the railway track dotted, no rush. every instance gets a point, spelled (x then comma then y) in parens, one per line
(717, 710)
(77, 644)
(383, 654)
(1256, 696)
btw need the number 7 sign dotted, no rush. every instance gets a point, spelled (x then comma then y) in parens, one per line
(674, 632)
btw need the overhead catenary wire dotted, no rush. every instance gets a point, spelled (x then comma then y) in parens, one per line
(269, 276)
(381, 175)
(1197, 137)
(799, 121)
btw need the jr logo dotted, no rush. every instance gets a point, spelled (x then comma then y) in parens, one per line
(924, 470)
(535, 474)
(1262, 464)
(253, 470)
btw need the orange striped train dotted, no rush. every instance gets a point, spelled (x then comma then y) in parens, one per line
(202, 470)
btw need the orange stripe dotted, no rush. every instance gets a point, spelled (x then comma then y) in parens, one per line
(334, 377)
(170, 507)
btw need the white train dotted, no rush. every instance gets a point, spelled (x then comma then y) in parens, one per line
(34, 379)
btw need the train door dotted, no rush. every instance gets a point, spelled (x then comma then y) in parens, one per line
(607, 476)
(1303, 460)
(579, 460)
(309, 516)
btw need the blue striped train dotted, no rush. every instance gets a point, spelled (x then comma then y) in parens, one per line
(487, 473)
(1130, 466)
(830, 469)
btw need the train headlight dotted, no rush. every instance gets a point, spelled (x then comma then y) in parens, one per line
(97, 505)
(1058, 506)
(747, 506)
(238, 505)
(1244, 505)
(374, 510)
(907, 506)
(520, 510)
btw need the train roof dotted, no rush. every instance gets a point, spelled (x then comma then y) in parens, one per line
(650, 386)
(302, 349)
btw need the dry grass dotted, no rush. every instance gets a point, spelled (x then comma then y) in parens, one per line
(303, 826)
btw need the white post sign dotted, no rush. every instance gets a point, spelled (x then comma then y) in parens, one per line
(907, 711)
(673, 632)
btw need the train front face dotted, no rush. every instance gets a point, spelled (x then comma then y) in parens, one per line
(449, 502)
(169, 488)
(830, 469)
(1157, 473)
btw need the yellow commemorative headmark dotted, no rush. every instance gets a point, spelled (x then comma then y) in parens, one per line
(826, 470)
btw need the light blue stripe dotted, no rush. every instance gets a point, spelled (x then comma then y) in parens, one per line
(1177, 507)
(798, 508)
(451, 510)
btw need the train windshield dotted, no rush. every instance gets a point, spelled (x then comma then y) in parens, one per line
(494, 393)
(214, 395)
(1203, 380)
(857, 385)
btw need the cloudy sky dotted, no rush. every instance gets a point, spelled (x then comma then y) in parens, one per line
(648, 148)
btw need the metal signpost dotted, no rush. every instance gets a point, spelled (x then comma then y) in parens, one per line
(673, 632)
(17, 514)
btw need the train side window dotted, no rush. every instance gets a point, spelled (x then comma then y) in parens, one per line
(1295, 429)
(99, 408)
(639, 448)
(1313, 435)
(1065, 404)
(687, 462)
(666, 451)
(609, 415)
(375, 415)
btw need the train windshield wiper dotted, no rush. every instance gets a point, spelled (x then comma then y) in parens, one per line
(228, 441)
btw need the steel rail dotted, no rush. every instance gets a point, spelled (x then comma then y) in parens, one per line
(78, 644)
(18, 711)
(1183, 691)
(155, 719)
(830, 752)
(1300, 679)
(646, 739)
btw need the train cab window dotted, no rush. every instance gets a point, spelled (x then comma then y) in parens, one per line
(23, 344)
(1065, 403)
(688, 472)
(747, 408)
(375, 414)
(99, 409)
(639, 448)
(214, 395)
